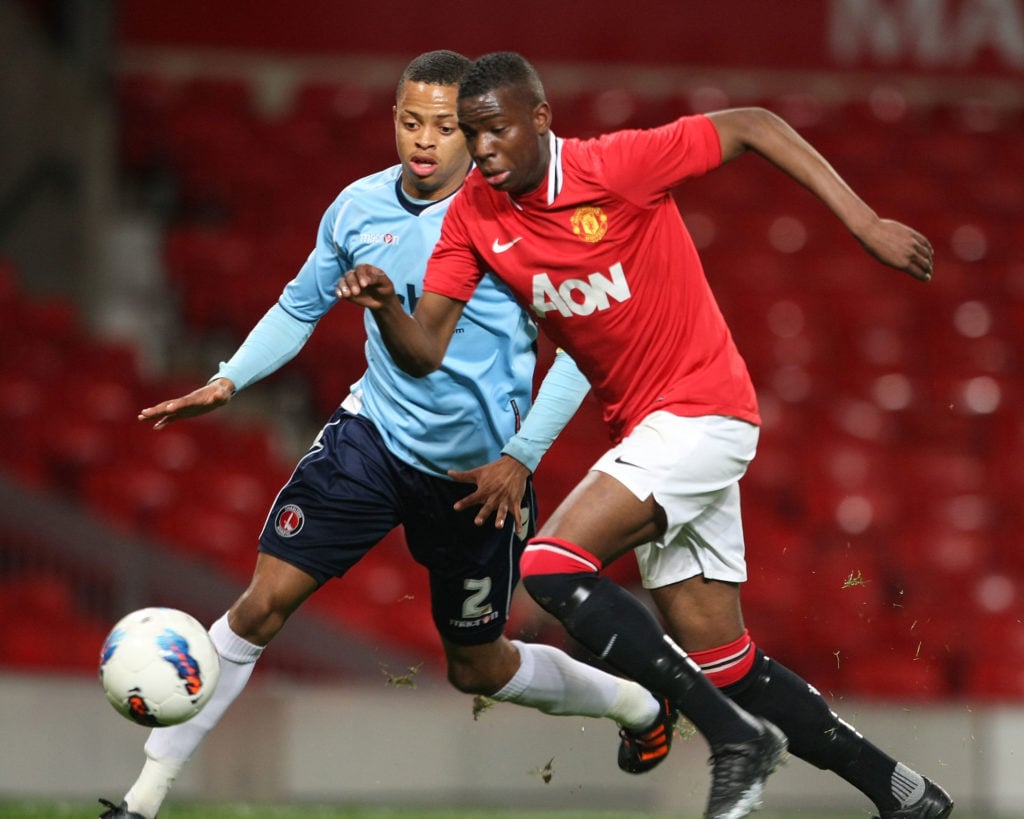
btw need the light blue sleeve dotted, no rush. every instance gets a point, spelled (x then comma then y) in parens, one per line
(561, 392)
(273, 342)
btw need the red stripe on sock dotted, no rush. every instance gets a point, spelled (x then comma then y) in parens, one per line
(729, 663)
(554, 556)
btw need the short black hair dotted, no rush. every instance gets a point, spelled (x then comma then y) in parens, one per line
(502, 69)
(434, 68)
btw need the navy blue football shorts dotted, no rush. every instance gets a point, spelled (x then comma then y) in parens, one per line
(349, 491)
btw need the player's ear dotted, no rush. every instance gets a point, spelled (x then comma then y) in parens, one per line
(542, 117)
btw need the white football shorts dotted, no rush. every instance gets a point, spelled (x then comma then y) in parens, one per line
(692, 467)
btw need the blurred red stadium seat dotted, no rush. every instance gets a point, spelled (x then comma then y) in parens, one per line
(45, 628)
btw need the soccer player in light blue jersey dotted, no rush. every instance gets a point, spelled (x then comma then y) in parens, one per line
(449, 457)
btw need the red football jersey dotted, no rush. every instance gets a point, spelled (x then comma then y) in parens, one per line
(601, 256)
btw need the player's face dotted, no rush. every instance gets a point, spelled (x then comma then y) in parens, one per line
(508, 138)
(430, 146)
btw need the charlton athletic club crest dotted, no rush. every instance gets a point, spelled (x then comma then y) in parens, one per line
(590, 224)
(289, 520)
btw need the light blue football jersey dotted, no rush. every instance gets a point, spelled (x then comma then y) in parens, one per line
(460, 416)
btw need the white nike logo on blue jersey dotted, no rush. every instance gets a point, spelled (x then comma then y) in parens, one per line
(498, 247)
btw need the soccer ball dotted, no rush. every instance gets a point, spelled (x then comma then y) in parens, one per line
(158, 666)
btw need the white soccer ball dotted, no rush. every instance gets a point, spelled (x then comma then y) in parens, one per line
(158, 666)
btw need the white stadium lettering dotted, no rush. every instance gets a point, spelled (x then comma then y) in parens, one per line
(930, 32)
(579, 297)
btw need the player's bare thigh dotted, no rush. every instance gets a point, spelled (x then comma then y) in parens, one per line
(608, 520)
(276, 590)
(605, 518)
(700, 614)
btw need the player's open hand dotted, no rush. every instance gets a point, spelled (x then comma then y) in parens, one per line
(500, 486)
(367, 286)
(198, 402)
(899, 246)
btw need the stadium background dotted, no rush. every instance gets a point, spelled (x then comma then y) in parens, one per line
(162, 169)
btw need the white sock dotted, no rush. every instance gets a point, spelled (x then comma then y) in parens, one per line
(168, 749)
(553, 682)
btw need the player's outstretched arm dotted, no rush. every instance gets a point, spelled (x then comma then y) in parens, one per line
(198, 402)
(418, 342)
(275, 340)
(759, 130)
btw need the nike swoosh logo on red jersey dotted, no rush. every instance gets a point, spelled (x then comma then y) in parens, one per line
(498, 247)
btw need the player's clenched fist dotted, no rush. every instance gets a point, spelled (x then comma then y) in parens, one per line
(366, 285)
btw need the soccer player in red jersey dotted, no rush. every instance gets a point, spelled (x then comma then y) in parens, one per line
(587, 235)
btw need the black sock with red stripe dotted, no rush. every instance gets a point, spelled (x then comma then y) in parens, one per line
(619, 629)
(816, 734)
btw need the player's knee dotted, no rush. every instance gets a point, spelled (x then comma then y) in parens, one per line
(466, 678)
(276, 590)
(257, 618)
(477, 674)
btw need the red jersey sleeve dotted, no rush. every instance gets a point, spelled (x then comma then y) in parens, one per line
(454, 267)
(642, 165)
